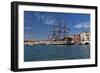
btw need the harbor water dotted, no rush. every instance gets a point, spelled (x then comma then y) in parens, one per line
(55, 52)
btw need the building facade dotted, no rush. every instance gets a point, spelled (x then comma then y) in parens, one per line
(85, 37)
(77, 38)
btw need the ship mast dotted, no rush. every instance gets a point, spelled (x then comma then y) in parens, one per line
(65, 30)
(59, 31)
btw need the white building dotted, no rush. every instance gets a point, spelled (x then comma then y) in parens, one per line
(85, 37)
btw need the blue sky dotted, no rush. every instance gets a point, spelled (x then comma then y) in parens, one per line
(38, 25)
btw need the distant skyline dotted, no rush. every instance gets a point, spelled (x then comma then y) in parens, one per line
(38, 25)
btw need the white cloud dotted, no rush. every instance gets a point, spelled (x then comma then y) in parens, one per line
(83, 25)
(78, 26)
(45, 19)
(38, 15)
(49, 21)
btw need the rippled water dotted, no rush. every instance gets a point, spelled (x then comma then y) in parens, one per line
(56, 52)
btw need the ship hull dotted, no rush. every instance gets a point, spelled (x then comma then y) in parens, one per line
(56, 43)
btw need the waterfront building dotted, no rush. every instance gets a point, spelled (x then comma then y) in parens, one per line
(85, 37)
(28, 42)
(77, 38)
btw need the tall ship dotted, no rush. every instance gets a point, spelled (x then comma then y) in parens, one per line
(58, 35)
